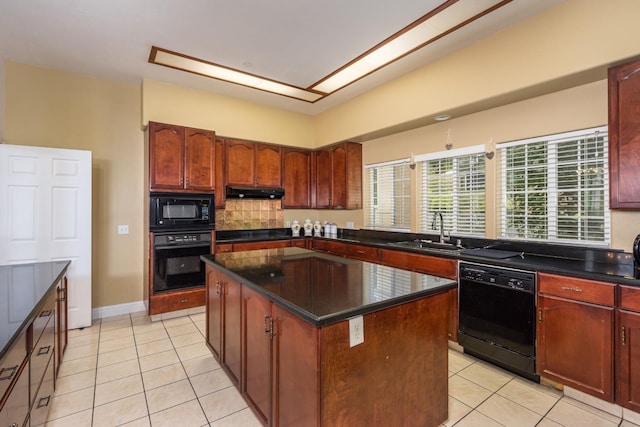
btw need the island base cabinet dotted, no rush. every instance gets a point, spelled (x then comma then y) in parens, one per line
(398, 376)
(575, 345)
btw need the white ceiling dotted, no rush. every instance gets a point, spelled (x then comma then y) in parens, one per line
(292, 41)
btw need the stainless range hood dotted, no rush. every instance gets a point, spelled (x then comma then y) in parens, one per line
(234, 192)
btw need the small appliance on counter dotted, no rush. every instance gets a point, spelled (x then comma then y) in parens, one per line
(636, 257)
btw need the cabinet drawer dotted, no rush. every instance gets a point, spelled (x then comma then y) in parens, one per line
(42, 352)
(629, 298)
(224, 248)
(299, 243)
(45, 315)
(267, 244)
(10, 364)
(601, 293)
(42, 402)
(441, 267)
(365, 253)
(16, 407)
(179, 300)
(328, 246)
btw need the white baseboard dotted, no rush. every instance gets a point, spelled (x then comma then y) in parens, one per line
(116, 310)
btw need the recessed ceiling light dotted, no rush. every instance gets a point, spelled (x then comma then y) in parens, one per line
(450, 16)
(442, 117)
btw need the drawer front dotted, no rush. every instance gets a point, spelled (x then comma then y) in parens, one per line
(224, 248)
(16, 407)
(629, 298)
(441, 267)
(601, 293)
(42, 402)
(330, 247)
(299, 243)
(267, 244)
(365, 253)
(10, 365)
(42, 352)
(46, 313)
(172, 301)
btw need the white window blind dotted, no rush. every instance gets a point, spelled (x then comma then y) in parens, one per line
(555, 188)
(388, 197)
(453, 183)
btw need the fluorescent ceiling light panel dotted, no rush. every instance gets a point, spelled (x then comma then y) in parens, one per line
(197, 66)
(405, 42)
(431, 27)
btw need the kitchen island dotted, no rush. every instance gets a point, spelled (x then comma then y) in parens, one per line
(318, 340)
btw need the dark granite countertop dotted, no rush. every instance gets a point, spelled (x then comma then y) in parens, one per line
(22, 288)
(609, 265)
(322, 288)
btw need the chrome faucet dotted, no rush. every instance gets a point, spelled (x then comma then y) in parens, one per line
(437, 214)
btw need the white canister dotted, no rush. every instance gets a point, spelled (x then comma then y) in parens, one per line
(334, 230)
(308, 228)
(295, 229)
(317, 229)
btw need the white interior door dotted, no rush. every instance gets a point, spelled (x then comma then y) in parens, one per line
(45, 215)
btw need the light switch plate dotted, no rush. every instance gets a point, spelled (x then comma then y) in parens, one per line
(356, 331)
(123, 229)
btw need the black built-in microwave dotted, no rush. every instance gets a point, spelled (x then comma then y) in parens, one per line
(181, 211)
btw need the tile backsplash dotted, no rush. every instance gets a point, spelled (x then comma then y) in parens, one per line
(250, 214)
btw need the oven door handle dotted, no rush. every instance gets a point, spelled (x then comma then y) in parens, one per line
(195, 245)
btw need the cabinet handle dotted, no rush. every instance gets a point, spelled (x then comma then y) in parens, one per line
(43, 350)
(267, 324)
(43, 402)
(540, 315)
(218, 288)
(187, 180)
(182, 301)
(360, 252)
(181, 181)
(46, 313)
(623, 336)
(569, 288)
(12, 371)
(64, 294)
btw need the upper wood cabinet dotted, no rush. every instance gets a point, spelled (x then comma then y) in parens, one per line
(624, 136)
(252, 164)
(219, 173)
(339, 176)
(296, 178)
(181, 158)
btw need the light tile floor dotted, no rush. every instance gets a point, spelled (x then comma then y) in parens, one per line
(128, 370)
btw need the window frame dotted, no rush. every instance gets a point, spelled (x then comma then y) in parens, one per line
(403, 224)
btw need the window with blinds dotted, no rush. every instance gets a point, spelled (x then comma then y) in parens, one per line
(388, 199)
(453, 183)
(555, 188)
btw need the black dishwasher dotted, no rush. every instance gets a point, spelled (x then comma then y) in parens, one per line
(497, 316)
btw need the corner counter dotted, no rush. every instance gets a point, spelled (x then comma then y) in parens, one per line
(314, 339)
(32, 338)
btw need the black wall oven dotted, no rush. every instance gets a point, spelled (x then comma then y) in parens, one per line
(181, 211)
(497, 316)
(176, 262)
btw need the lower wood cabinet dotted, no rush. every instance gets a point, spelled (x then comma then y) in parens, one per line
(628, 348)
(223, 321)
(575, 333)
(16, 407)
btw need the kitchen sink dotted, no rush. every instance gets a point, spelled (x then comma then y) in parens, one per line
(427, 244)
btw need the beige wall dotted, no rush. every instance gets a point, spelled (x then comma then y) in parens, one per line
(229, 117)
(569, 45)
(54, 109)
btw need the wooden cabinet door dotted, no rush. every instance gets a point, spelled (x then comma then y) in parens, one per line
(296, 178)
(295, 371)
(232, 327)
(575, 345)
(166, 157)
(324, 180)
(219, 177)
(354, 176)
(339, 178)
(240, 165)
(199, 159)
(256, 360)
(214, 305)
(268, 166)
(628, 354)
(624, 136)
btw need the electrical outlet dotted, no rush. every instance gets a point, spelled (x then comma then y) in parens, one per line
(123, 229)
(350, 224)
(356, 331)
